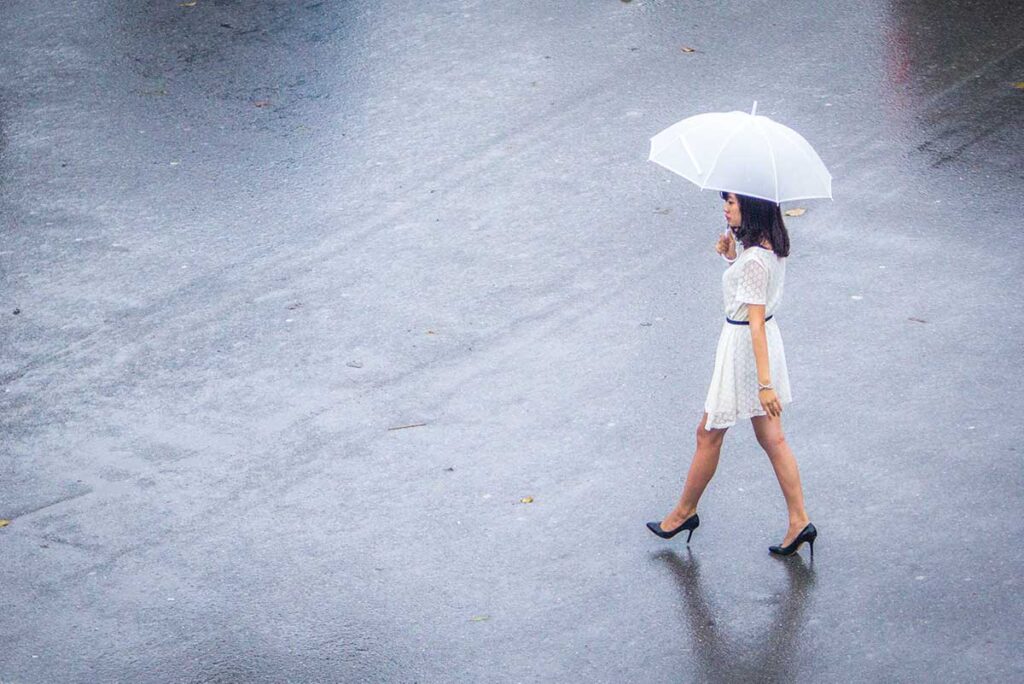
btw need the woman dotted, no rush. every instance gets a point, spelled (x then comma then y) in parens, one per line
(750, 378)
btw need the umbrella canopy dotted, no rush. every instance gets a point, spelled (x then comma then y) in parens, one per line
(742, 153)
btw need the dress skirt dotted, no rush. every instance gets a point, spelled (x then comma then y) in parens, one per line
(733, 393)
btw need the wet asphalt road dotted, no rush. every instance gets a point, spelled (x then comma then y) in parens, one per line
(247, 241)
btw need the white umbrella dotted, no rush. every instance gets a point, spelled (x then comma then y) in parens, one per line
(742, 153)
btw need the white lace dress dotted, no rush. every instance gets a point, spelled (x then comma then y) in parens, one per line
(756, 277)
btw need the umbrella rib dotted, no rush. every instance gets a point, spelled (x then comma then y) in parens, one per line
(786, 132)
(771, 155)
(812, 157)
(682, 138)
(728, 140)
(689, 152)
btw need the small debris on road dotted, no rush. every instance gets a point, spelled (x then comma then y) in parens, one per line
(917, 320)
(17, 311)
(354, 364)
(526, 500)
(688, 50)
(4, 523)
(796, 211)
(403, 427)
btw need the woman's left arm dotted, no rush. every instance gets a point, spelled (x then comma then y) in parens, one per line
(769, 400)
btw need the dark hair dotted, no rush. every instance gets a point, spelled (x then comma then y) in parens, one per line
(761, 219)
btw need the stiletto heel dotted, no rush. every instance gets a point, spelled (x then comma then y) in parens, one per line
(808, 534)
(691, 523)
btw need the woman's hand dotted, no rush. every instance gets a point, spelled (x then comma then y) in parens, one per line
(770, 402)
(726, 245)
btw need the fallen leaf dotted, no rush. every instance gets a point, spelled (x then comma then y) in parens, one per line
(1019, 85)
(526, 499)
(479, 618)
(796, 211)
(4, 523)
(688, 49)
(190, 3)
(431, 332)
(917, 320)
(261, 103)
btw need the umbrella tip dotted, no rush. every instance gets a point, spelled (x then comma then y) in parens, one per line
(753, 110)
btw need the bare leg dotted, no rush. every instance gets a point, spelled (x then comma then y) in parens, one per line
(702, 469)
(773, 441)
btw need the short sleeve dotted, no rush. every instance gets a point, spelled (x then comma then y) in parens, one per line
(753, 283)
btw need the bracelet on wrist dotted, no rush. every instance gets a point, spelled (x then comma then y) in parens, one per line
(761, 387)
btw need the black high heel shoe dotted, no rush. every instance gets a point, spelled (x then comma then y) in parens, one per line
(691, 523)
(808, 534)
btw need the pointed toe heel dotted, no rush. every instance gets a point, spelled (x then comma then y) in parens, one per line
(808, 534)
(690, 524)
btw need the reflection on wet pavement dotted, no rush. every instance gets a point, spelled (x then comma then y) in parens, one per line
(726, 656)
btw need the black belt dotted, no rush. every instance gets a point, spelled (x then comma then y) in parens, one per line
(747, 322)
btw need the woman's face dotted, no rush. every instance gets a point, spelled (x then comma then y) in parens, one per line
(732, 211)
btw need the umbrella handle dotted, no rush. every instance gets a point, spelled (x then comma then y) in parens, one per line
(753, 110)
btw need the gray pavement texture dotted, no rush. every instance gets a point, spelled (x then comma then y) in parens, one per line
(242, 242)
